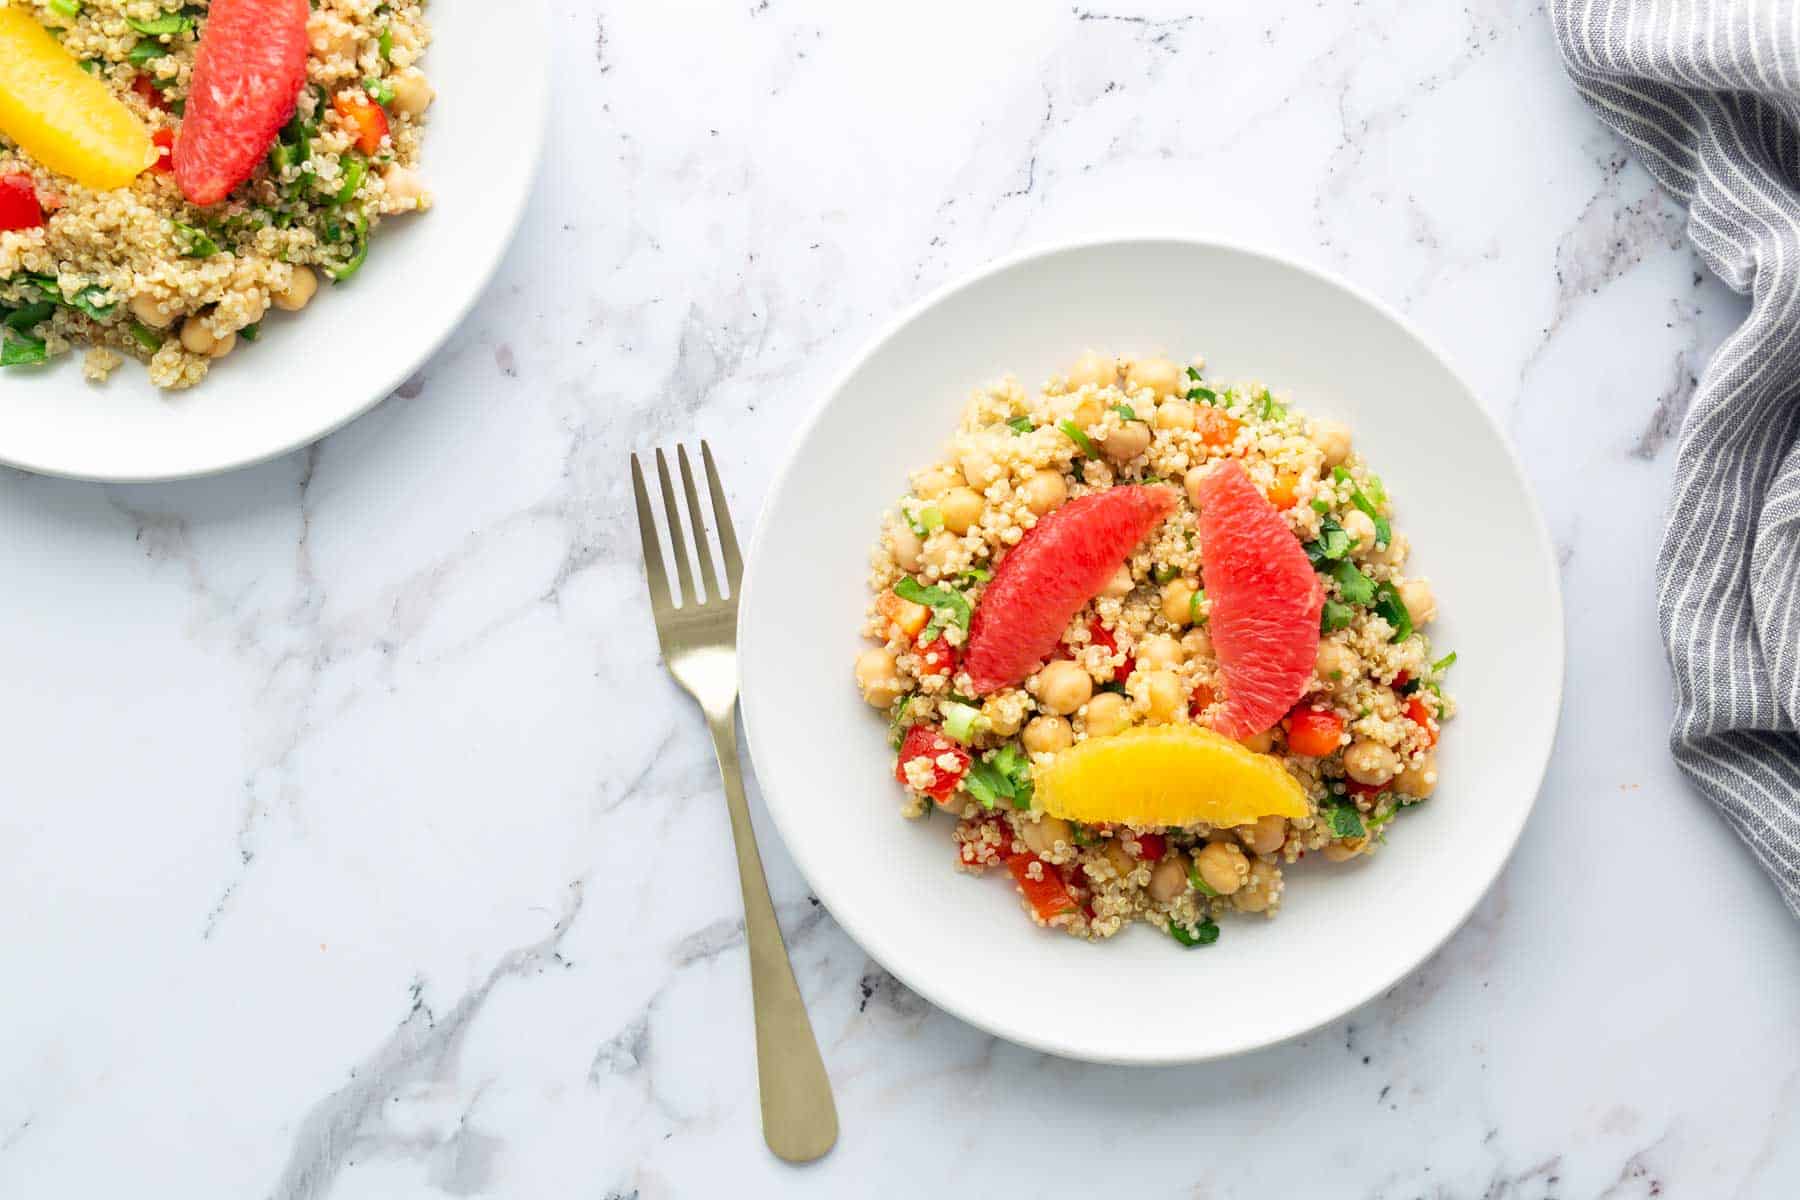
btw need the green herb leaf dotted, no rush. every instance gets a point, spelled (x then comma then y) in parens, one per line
(1334, 616)
(1081, 440)
(1205, 394)
(1195, 617)
(1080, 833)
(143, 53)
(1384, 533)
(67, 8)
(1203, 934)
(1346, 822)
(24, 319)
(251, 332)
(21, 351)
(1332, 544)
(1164, 574)
(146, 337)
(1198, 884)
(194, 242)
(1020, 424)
(1444, 663)
(926, 520)
(1353, 585)
(1321, 506)
(1126, 411)
(986, 784)
(167, 25)
(385, 43)
(380, 90)
(973, 576)
(358, 256)
(355, 171)
(1392, 609)
(946, 604)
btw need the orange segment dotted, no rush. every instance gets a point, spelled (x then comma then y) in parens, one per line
(1167, 775)
(60, 115)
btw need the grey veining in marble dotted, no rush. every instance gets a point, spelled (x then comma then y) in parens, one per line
(355, 846)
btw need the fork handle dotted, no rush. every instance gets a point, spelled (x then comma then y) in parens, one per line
(799, 1119)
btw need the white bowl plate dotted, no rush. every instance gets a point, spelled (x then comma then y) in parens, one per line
(1345, 933)
(312, 372)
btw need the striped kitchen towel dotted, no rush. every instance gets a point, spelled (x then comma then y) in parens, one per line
(1707, 93)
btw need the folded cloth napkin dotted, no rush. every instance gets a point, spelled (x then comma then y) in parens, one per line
(1707, 92)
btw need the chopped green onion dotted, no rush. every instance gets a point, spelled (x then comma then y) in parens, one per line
(1126, 411)
(381, 90)
(926, 521)
(1202, 393)
(1271, 410)
(1384, 533)
(962, 721)
(1020, 424)
(355, 171)
(385, 43)
(1336, 615)
(973, 576)
(23, 320)
(1353, 585)
(199, 243)
(1204, 934)
(1164, 574)
(1444, 663)
(1194, 615)
(88, 300)
(146, 337)
(1198, 884)
(359, 256)
(1081, 440)
(1321, 506)
(67, 8)
(1392, 609)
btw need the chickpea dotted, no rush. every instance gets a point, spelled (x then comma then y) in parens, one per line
(1259, 743)
(1159, 652)
(329, 34)
(1197, 643)
(1003, 717)
(151, 311)
(1260, 889)
(1164, 696)
(1420, 781)
(1095, 369)
(301, 287)
(1345, 850)
(1086, 412)
(1395, 554)
(1158, 374)
(1361, 528)
(905, 545)
(1116, 854)
(1178, 602)
(412, 94)
(1370, 763)
(933, 482)
(1063, 687)
(1044, 491)
(1168, 878)
(1047, 735)
(1192, 481)
(196, 338)
(1420, 603)
(1222, 867)
(1175, 414)
(1106, 714)
(961, 507)
(1126, 442)
(1119, 584)
(405, 187)
(941, 549)
(979, 468)
(1336, 664)
(1332, 438)
(1265, 836)
(878, 678)
(1040, 836)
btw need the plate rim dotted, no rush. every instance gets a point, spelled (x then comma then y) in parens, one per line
(1208, 241)
(516, 205)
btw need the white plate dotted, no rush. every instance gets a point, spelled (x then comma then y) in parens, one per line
(312, 372)
(1344, 933)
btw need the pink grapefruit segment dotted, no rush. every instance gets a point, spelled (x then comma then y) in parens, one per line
(1265, 600)
(1057, 567)
(248, 72)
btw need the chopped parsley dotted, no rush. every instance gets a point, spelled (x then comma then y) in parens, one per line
(1392, 609)
(1081, 440)
(1005, 775)
(167, 25)
(1346, 822)
(1332, 543)
(1203, 934)
(1334, 616)
(948, 606)
(1444, 663)
(1020, 425)
(1198, 884)
(1127, 412)
(1353, 585)
(926, 521)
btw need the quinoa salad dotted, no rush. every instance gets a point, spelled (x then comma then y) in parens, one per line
(1144, 640)
(146, 263)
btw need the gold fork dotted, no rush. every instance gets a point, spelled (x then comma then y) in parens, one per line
(699, 646)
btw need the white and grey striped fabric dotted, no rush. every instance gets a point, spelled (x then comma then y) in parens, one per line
(1707, 92)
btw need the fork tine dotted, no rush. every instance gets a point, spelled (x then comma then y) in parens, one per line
(702, 550)
(654, 574)
(734, 563)
(676, 541)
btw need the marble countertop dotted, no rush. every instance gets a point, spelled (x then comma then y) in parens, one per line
(354, 844)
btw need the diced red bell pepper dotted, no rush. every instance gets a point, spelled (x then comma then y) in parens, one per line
(928, 742)
(1048, 894)
(365, 118)
(1313, 731)
(1201, 700)
(164, 139)
(1419, 713)
(149, 93)
(1152, 846)
(19, 207)
(937, 657)
(1364, 789)
(1401, 680)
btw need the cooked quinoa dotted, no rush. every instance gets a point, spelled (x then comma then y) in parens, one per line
(1139, 653)
(138, 271)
